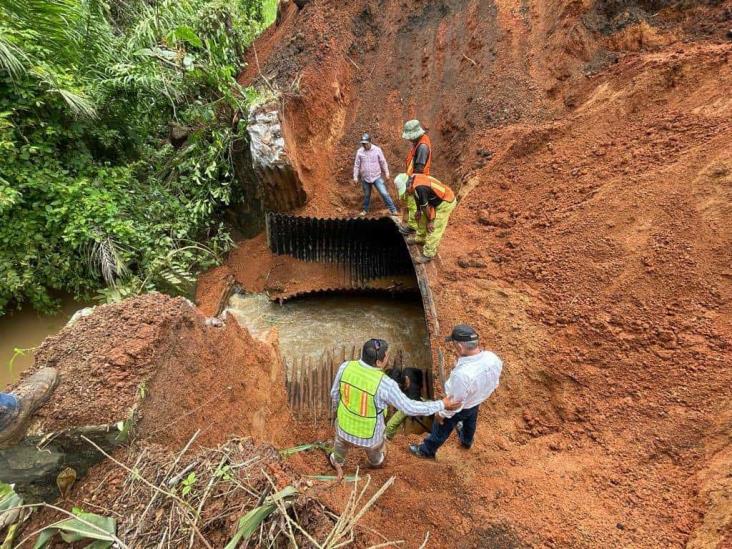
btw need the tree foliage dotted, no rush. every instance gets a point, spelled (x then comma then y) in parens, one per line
(116, 126)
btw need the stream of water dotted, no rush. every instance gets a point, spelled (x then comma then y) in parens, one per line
(26, 329)
(310, 325)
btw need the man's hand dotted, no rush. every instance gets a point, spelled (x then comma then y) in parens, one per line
(439, 419)
(355, 181)
(430, 226)
(451, 404)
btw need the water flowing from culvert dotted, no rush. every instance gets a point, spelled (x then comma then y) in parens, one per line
(310, 325)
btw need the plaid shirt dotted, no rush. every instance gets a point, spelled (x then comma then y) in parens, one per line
(370, 165)
(387, 394)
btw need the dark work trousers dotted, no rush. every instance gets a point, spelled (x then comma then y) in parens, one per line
(441, 432)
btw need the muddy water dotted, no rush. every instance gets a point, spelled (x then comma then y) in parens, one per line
(26, 329)
(310, 325)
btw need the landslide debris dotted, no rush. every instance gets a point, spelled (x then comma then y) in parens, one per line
(159, 354)
(210, 414)
(196, 496)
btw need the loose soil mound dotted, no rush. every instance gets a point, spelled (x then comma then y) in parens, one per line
(103, 358)
(590, 143)
(185, 374)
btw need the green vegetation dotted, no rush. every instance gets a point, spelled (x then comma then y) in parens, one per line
(116, 125)
(83, 526)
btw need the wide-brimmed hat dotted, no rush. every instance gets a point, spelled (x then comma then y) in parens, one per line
(400, 182)
(412, 130)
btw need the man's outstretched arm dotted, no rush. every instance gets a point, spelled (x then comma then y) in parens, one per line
(394, 396)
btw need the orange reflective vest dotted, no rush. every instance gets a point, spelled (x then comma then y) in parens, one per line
(442, 191)
(424, 140)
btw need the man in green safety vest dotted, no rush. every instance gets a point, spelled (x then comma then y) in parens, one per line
(362, 392)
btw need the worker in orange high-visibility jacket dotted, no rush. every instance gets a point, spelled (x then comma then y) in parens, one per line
(419, 160)
(435, 202)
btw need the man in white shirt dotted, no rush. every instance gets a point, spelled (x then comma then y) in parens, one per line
(472, 381)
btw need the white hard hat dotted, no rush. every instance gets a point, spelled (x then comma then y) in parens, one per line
(400, 181)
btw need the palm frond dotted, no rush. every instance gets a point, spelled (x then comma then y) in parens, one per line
(79, 104)
(56, 21)
(12, 58)
(77, 100)
(104, 258)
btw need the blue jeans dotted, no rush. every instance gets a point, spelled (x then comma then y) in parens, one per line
(381, 187)
(8, 409)
(441, 432)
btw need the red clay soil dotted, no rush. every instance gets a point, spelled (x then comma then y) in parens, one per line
(193, 376)
(103, 358)
(591, 144)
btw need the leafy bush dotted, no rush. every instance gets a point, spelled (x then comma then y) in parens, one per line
(116, 127)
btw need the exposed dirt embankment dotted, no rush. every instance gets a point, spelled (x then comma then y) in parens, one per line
(591, 145)
(159, 353)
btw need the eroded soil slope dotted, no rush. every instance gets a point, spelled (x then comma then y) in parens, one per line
(184, 375)
(592, 146)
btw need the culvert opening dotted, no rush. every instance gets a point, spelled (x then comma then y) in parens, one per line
(363, 250)
(378, 296)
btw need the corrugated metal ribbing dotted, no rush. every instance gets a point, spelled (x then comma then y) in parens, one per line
(281, 188)
(308, 380)
(365, 248)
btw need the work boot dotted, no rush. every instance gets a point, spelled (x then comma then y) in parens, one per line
(32, 393)
(414, 240)
(423, 259)
(363, 213)
(415, 450)
(406, 229)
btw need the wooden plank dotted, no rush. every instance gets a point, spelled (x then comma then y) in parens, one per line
(305, 387)
(301, 386)
(332, 369)
(311, 372)
(288, 380)
(324, 384)
(311, 389)
(294, 386)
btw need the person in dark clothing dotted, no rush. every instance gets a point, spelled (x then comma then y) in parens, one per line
(411, 382)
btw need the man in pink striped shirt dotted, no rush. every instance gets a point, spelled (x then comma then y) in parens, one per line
(371, 169)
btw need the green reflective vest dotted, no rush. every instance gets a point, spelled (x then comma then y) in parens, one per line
(357, 413)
